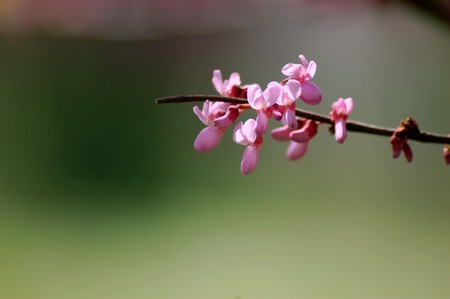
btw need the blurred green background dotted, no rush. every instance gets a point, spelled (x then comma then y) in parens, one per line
(103, 196)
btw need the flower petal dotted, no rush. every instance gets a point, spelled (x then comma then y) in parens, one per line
(293, 89)
(349, 105)
(281, 133)
(303, 60)
(340, 108)
(292, 70)
(311, 94)
(407, 151)
(311, 69)
(277, 114)
(296, 150)
(272, 93)
(397, 146)
(254, 94)
(262, 123)
(248, 130)
(300, 135)
(200, 115)
(228, 118)
(235, 79)
(217, 81)
(249, 159)
(218, 107)
(238, 137)
(290, 118)
(340, 132)
(206, 107)
(208, 139)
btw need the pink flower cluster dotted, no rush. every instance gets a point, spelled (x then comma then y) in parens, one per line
(277, 101)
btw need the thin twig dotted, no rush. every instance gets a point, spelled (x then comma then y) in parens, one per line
(352, 125)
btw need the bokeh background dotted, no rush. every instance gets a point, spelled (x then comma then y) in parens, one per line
(103, 196)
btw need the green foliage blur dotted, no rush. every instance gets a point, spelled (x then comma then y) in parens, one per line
(103, 196)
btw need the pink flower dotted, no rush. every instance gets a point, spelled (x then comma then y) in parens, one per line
(340, 111)
(291, 91)
(218, 116)
(303, 72)
(230, 87)
(262, 101)
(210, 137)
(245, 134)
(211, 111)
(446, 153)
(300, 138)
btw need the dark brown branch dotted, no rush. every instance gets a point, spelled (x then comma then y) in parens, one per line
(352, 125)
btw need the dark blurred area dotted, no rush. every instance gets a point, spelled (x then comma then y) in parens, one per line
(130, 19)
(103, 196)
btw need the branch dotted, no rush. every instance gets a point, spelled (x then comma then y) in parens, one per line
(351, 125)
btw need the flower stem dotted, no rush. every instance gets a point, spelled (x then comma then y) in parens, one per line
(352, 125)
